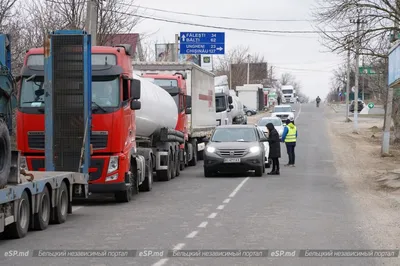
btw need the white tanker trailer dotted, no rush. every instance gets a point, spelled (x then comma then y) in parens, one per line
(156, 136)
(237, 112)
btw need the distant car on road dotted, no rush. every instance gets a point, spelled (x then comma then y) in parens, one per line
(235, 148)
(283, 111)
(276, 121)
(361, 105)
(249, 111)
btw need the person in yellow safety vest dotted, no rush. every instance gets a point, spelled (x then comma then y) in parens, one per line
(289, 137)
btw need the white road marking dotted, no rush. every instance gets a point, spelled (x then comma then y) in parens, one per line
(192, 234)
(163, 261)
(179, 246)
(212, 215)
(220, 207)
(238, 187)
(160, 262)
(297, 116)
(75, 208)
(203, 225)
(227, 201)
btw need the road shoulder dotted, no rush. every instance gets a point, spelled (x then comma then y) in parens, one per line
(359, 164)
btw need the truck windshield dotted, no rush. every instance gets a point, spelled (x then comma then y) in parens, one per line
(105, 92)
(166, 82)
(220, 104)
(287, 91)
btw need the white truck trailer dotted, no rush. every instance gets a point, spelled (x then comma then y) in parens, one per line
(200, 100)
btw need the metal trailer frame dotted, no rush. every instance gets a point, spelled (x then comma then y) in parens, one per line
(76, 184)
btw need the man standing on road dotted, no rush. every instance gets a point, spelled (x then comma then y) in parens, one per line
(279, 100)
(289, 136)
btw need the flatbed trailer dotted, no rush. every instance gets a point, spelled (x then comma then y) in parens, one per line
(34, 204)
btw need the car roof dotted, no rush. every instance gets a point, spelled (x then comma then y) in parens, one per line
(270, 118)
(284, 105)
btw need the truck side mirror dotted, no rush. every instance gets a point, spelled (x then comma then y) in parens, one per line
(230, 100)
(188, 101)
(188, 110)
(230, 106)
(135, 89)
(136, 105)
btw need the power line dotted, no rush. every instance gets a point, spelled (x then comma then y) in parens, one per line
(218, 17)
(220, 27)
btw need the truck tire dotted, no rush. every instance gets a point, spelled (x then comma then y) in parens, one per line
(20, 227)
(147, 184)
(172, 164)
(177, 164)
(193, 162)
(60, 211)
(5, 154)
(42, 218)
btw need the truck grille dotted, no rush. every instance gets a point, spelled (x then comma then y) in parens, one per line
(231, 153)
(99, 140)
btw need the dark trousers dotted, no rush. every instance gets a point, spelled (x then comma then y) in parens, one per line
(275, 164)
(290, 151)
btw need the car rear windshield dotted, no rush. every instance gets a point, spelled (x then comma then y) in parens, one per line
(263, 122)
(282, 109)
(234, 135)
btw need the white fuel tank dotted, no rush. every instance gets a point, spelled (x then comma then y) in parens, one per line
(237, 105)
(158, 109)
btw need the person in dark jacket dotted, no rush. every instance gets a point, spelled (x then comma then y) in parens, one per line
(279, 100)
(274, 148)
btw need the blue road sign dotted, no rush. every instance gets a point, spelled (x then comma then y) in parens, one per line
(202, 43)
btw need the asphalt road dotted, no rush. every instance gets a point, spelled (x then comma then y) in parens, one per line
(306, 207)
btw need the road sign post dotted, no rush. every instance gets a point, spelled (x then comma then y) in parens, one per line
(202, 43)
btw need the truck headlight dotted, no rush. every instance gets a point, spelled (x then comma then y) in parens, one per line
(113, 164)
(255, 149)
(210, 149)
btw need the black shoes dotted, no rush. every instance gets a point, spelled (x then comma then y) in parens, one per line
(274, 172)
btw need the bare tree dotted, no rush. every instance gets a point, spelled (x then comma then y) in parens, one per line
(236, 61)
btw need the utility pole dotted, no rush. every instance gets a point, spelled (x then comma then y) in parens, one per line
(248, 69)
(230, 76)
(348, 81)
(91, 20)
(177, 48)
(363, 80)
(357, 45)
(389, 103)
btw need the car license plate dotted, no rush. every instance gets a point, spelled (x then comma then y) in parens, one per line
(232, 160)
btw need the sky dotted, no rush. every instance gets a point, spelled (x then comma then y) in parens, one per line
(302, 55)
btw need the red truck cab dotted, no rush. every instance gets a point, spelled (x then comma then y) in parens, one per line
(113, 117)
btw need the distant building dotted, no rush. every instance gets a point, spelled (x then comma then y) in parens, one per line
(127, 38)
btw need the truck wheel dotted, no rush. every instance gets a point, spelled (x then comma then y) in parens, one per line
(193, 162)
(20, 227)
(177, 164)
(147, 184)
(5, 154)
(172, 164)
(42, 218)
(61, 210)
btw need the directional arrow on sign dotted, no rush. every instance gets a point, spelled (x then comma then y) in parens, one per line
(220, 49)
(183, 38)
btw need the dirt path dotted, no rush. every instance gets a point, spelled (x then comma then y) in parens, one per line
(359, 164)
